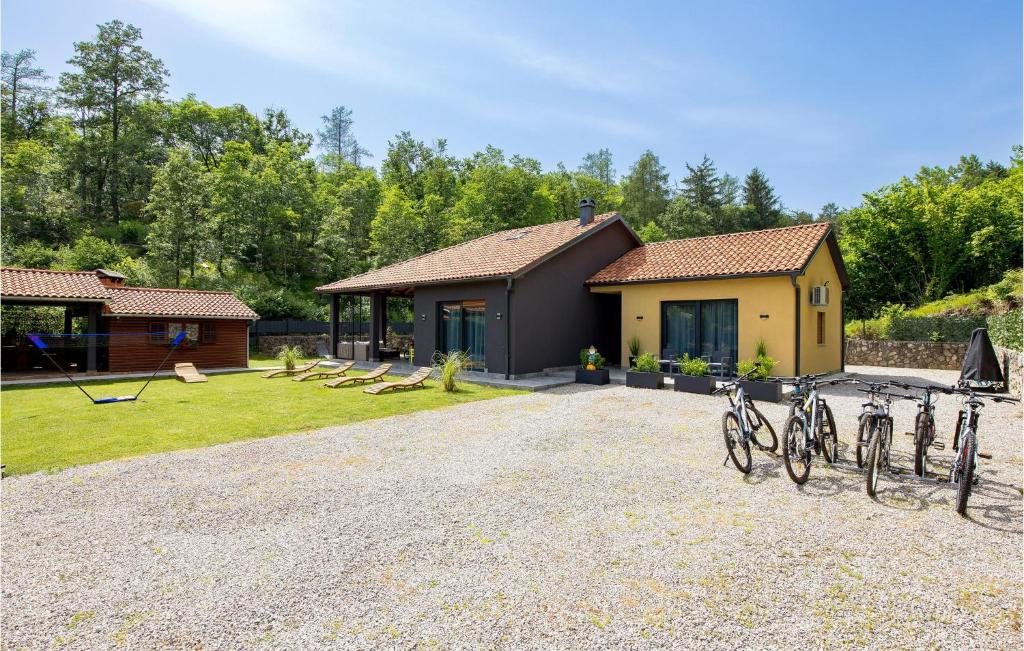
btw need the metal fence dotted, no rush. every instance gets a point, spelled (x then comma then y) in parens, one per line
(309, 327)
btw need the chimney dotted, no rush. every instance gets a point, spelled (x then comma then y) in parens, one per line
(587, 211)
(110, 278)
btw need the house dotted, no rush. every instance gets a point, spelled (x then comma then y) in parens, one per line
(516, 300)
(523, 300)
(718, 296)
(141, 322)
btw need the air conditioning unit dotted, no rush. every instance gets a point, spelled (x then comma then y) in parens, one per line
(819, 295)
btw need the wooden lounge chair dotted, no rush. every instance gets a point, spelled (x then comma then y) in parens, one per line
(323, 373)
(295, 371)
(186, 372)
(376, 375)
(416, 379)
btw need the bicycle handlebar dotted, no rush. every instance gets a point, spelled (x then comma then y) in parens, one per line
(889, 394)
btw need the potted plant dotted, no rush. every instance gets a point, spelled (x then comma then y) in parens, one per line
(634, 350)
(693, 376)
(591, 369)
(756, 385)
(645, 373)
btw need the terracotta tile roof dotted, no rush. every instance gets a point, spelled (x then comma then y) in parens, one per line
(42, 283)
(773, 251)
(177, 302)
(86, 285)
(499, 254)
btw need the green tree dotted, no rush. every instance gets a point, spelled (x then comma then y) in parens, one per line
(204, 129)
(23, 98)
(645, 192)
(651, 232)
(759, 195)
(115, 76)
(179, 205)
(599, 165)
(396, 229)
(701, 187)
(338, 142)
(33, 205)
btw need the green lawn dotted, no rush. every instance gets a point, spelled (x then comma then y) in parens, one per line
(52, 427)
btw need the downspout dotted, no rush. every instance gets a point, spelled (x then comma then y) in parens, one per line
(508, 328)
(796, 292)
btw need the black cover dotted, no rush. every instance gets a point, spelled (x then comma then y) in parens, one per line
(981, 364)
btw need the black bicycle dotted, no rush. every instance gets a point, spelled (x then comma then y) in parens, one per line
(742, 424)
(966, 457)
(880, 426)
(924, 423)
(810, 429)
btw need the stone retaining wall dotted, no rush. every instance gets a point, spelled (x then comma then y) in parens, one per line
(928, 354)
(270, 344)
(905, 354)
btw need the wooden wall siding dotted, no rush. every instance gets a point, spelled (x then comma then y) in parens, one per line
(137, 354)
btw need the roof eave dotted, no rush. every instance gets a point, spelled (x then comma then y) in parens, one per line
(684, 279)
(143, 315)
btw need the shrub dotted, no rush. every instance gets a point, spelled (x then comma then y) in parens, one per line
(289, 356)
(1007, 330)
(450, 367)
(761, 373)
(646, 363)
(694, 366)
(761, 349)
(1009, 289)
(599, 359)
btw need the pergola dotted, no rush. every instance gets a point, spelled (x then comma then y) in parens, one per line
(378, 316)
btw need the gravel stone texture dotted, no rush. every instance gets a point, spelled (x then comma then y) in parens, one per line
(574, 518)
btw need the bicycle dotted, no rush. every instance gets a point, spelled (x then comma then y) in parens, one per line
(867, 416)
(810, 428)
(966, 458)
(924, 423)
(879, 445)
(741, 424)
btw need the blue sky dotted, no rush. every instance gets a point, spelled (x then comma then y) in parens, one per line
(830, 99)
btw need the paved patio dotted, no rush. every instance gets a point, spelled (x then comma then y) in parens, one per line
(572, 518)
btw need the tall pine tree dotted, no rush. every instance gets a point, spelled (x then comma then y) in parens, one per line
(645, 192)
(760, 196)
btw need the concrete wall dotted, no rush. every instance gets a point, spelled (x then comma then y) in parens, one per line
(815, 357)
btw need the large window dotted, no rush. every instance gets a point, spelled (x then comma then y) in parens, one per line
(464, 327)
(700, 329)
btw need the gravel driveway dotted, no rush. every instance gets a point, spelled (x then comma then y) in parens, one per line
(572, 518)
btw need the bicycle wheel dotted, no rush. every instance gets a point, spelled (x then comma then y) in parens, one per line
(828, 436)
(963, 485)
(739, 450)
(863, 431)
(795, 453)
(761, 435)
(873, 459)
(922, 430)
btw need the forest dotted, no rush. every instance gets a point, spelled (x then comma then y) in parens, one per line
(101, 169)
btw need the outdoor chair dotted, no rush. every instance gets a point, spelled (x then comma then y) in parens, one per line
(719, 364)
(324, 373)
(669, 358)
(321, 349)
(416, 379)
(295, 371)
(376, 375)
(186, 372)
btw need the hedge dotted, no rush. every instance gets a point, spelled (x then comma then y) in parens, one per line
(1007, 329)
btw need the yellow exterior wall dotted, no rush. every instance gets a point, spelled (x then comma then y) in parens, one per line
(773, 295)
(816, 358)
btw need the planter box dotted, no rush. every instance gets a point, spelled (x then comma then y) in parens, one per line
(598, 377)
(703, 385)
(763, 391)
(642, 380)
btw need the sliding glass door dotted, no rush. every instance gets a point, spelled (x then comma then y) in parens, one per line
(464, 327)
(700, 329)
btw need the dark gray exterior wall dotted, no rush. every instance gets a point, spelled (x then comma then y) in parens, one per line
(425, 328)
(554, 314)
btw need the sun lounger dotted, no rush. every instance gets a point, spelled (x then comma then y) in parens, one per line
(295, 371)
(186, 372)
(322, 373)
(416, 379)
(376, 375)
